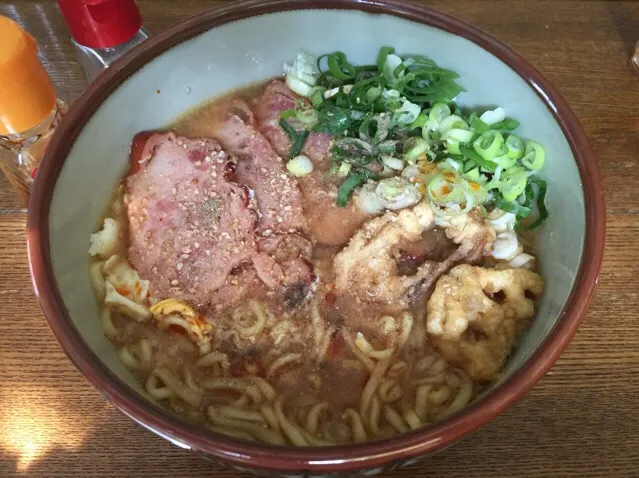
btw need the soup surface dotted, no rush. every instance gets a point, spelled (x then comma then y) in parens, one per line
(247, 295)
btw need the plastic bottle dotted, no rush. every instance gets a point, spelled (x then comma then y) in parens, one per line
(29, 108)
(102, 31)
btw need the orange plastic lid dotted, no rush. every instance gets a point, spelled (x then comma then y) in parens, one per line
(27, 96)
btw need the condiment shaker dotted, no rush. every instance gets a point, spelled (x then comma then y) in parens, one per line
(102, 31)
(29, 108)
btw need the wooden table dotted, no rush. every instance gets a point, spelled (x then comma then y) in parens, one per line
(581, 420)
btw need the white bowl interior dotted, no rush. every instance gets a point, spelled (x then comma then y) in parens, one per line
(231, 55)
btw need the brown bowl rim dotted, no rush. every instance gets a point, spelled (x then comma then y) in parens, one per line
(343, 458)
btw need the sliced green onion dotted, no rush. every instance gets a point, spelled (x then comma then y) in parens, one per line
(298, 144)
(455, 209)
(534, 156)
(459, 135)
(521, 211)
(453, 147)
(393, 163)
(407, 113)
(454, 164)
(388, 147)
(449, 164)
(393, 68)
(492, 117)
(391, 94)
(472, 175)
(414, 147)
(429, 128)
(367, 129)
(298, 86)
(344, 169)
(505, 126)
(515, 147)
(479, 192)
(303, 68)
(300, 166)
(303, 74)
(541, 204)
(308, 117)
(288, 114)
(468, 165)
(439, 112)
(419, 121)
(505, 161)
(381, 57)
(399, 70)
(485, 164)
(292, 134)
(452, 122)
(513, 185)
(495, 182)
(339, 67)
(317, 96)
(488, 145)
(444, 188)
(356, 177)
(373, 93)
(352, 150)
(375, 129)
(328, 94)
(477, 124)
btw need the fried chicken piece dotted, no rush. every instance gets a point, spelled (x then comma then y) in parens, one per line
(366, 267)
(475, 315)
(473, 233)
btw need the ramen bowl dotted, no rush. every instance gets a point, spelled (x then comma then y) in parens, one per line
(243, 42)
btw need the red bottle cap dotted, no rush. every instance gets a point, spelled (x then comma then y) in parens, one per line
(101, 23)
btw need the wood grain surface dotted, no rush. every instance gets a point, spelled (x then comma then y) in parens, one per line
(581, 420)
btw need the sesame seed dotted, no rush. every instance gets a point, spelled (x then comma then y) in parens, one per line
(175, 282)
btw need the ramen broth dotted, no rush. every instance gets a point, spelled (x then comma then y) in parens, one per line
(300, 367)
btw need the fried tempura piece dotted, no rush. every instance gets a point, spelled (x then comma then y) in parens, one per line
(475, 315)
